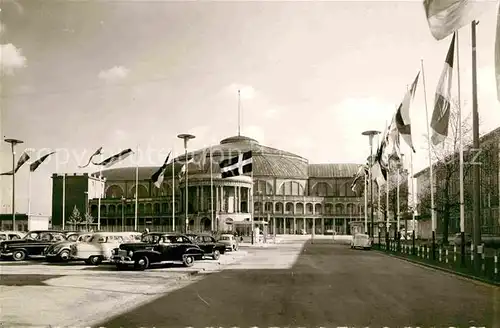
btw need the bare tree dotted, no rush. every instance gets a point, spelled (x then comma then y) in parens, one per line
(446, 165)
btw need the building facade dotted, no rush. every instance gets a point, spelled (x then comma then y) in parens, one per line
(286, 194)
(447, 182)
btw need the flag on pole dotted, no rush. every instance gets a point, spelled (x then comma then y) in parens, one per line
(36, 164)
(379, 168)
(497, 54)
(110, 161)
(441, 114)
(447, 16)
(97, 152)
(182, 172)
(158, 176)
(236, 166)
(361, 174)
(20, 162)
(402, 118)
(393, 141)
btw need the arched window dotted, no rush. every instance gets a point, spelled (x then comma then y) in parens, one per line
(322, 189)
(114, 191)
(262, 187)
(143, 192)
(291, 188)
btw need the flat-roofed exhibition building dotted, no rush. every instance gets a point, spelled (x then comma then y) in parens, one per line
(287, 191)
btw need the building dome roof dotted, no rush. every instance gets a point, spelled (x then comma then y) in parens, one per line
(267, 162)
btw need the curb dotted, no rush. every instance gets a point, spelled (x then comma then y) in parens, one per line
(435, 267)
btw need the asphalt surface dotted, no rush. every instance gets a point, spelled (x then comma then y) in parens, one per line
(330, 286)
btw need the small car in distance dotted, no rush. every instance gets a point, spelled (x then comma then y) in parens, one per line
(208, 244)
(229, 241)
(362, 241)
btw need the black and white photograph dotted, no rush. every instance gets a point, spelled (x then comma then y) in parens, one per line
(250, 163)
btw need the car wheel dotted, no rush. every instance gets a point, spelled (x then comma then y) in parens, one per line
(141, 263)
(64, 255)
(95, 260)
(188, 260)
(19, 255)
(216, 254)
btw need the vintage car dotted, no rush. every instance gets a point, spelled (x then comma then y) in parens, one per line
(99, 247)
(61, 251)
(208, 244)
(157, 248)
(229, 241)
(32, 244)
(361, 240)
(11, 235)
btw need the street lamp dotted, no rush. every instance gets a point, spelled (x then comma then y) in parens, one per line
(371, 134)
(13, 143)
(186, 137)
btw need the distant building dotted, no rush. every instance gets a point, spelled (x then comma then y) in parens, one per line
(489, 157)
(288, 192)
(78, 189)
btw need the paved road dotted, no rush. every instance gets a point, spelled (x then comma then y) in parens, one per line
(329, 285)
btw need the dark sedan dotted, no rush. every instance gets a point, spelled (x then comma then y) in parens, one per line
(208, 244)
(33, 244)
(157, 248)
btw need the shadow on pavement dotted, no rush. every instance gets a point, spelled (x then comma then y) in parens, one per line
(329, 285)
(25, 279)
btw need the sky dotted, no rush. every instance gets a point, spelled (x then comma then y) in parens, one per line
(78, 75)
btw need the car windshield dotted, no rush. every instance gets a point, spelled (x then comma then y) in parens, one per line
(362, 237)
(225, 238)
(98, 239)
(45, 236)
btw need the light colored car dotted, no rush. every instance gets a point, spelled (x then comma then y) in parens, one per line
(11, 235)
(99, 248)
(61, 251)
(361, 240)
(229, 241)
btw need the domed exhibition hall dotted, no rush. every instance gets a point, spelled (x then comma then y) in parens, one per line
(290, 196)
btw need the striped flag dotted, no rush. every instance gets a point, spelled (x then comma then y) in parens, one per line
(236, 166)
(379, 168)
(158, 176)
(39, 161)
(497, 54)
(110, 161)
(402, 118)
(447, 16)
(20, 162)
(441, 114)
(361, 174)
(97, 152)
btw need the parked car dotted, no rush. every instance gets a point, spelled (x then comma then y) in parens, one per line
(229, 241)
(11, 235)
(32, 244)
(208, 244)
(61, 251)
(157, 248)
(457, 240)
(99, 247)
(361, 240)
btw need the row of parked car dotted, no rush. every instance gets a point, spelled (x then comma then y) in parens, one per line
(123, 249)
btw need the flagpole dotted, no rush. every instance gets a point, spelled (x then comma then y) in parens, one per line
(398, 208)
(64, 201)
(413, 196)
(431, 175)
(461, 155)
(173, 191)
(387, 190)
(251, 197)
(366, 201)
(136, 188)
(211, 192)
(29, 189)
(101, 187)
